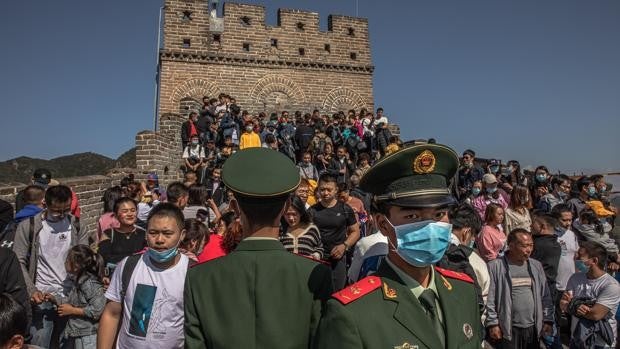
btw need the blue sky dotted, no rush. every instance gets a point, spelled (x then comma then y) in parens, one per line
(536, 81)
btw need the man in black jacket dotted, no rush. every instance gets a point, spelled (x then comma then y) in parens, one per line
(303, 136)
(216, 188)
(11, 278)
(547, 249)
(6, 214)
(341, 166)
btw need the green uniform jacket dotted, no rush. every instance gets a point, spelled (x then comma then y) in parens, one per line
(389, 316)
(258, 296)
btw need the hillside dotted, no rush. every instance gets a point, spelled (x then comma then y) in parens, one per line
(19, 170)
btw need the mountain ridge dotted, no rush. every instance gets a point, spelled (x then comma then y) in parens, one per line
(19, 170)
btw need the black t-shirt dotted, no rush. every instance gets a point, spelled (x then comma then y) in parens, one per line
(120, 245)
(333, 223)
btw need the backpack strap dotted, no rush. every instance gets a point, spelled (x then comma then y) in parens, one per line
(31, 231)
(128, 268)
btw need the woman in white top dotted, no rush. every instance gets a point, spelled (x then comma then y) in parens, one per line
(517, 214)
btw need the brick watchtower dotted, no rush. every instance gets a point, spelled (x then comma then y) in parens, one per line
(291, 66)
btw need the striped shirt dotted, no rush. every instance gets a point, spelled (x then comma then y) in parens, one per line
(308, 243)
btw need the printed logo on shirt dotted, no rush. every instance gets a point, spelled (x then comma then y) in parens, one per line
(62, 237)
(141, 310)
(521, 282)
(564, 248)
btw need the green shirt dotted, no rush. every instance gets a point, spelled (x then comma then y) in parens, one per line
(416, 288)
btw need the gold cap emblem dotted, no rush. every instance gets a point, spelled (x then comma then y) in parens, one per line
(424, 162)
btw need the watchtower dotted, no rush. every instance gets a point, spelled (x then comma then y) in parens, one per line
(291, 66)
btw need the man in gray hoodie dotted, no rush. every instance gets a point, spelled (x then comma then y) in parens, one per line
(519, 306)
(41, 250)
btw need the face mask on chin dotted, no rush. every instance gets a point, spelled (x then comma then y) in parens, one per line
(163, 256)
(581, 266)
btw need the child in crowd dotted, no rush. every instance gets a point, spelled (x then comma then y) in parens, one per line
(190, 178)
(149, 200)
(85, 302)
(393, 147)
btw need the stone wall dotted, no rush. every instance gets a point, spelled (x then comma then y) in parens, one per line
(160, 152)
(291, 66)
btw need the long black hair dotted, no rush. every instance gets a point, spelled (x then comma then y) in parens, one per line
(195, 230)
(109, 198)
(300, 207)
(86, 261)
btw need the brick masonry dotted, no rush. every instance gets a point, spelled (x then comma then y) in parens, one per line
(334, 73)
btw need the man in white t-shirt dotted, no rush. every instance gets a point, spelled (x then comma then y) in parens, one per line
(592, 283)
(380, 118)
(42, 260)
(369, 252)
(151, 312)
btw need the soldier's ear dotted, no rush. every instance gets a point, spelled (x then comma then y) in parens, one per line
(383, 224)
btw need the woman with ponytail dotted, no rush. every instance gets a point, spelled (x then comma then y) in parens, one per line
(85, 301)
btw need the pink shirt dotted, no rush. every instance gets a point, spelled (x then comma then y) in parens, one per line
(481, 202)
(106, 221)
(491, 241)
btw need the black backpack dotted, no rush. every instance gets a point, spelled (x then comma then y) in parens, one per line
(7, 236)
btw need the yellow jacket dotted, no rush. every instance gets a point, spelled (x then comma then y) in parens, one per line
(249, 140)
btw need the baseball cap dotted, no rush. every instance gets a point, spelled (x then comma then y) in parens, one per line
(489, 178)
(42, 176)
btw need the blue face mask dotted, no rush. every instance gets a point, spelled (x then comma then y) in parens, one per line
(491, 190)
(581, 266)
(422, 243)
(475, 191)
(603, 189)
(541, 177)
(591, 191)
(164, 256)
(494, 169)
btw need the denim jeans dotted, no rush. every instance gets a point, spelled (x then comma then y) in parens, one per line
(44, 318)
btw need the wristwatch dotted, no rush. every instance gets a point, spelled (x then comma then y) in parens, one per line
(346, 246)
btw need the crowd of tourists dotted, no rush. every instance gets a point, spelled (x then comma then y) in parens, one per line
(537, 247)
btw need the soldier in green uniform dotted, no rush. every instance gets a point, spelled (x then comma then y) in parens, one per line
(408, 303)
(260, 295)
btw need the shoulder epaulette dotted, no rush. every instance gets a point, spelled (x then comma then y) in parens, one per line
(358, 289)
(454, 275)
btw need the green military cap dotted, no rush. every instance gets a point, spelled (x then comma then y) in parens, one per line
(416, 176)
(260, 173)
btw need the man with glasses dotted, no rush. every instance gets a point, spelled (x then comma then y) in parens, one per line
(468, 173)
(561, 189)
(408, 303)
(42, 248)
